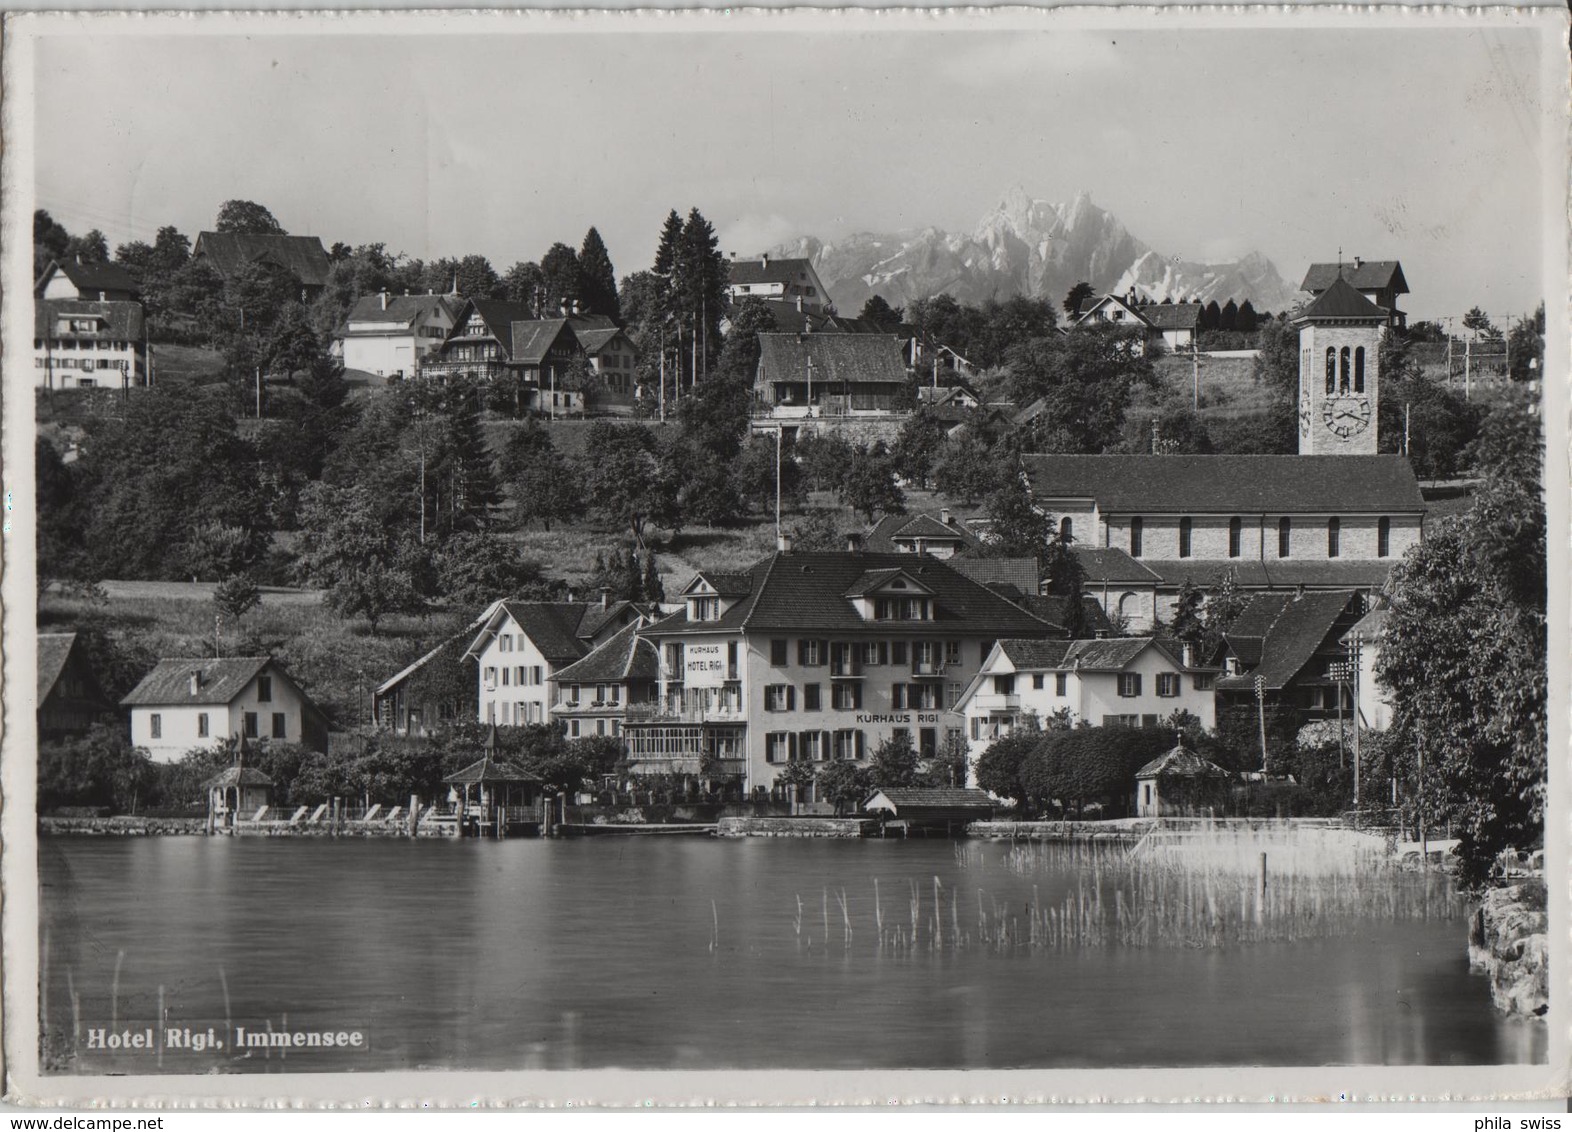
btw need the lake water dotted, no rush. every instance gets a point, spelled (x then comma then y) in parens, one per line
(689, 953)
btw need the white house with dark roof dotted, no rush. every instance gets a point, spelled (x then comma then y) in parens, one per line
(1175, 325)
(769, 277)
(188, 703)
(814, 656)
(520, 646)
(86, 282)
(1131, 681)
(803, 377)
(390, 335)
(593, 694)
(1272, 522)
(1372, 698)
(1379, 280)
(87, 344)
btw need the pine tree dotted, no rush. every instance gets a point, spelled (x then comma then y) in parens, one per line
(632, 576)
(1211, 316)
(699, 289)
(666, 253)
(1228, 317)
(597, 278)
(1246, 320)
(473, 487)
(562, 282)
(654, 589)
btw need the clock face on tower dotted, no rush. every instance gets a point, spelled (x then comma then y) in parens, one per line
(1345, 416)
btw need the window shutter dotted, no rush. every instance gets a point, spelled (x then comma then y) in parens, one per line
(778, 653)
(884, 652)
(791, 698)
(858, 742)
(802, 651)
(895, 696)
(857, 696)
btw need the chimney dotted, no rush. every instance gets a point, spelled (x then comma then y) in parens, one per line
(799, 304)
(853, 543)
(1187, 655)
(783, 544)
(605, 597)
(562, 308)
(764, 260)
(196, 681)
(384, 297)
(945, 517)
(575, 306)
(1358, 263)
(733, 256)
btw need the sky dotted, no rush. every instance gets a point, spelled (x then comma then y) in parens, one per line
(1418, 145)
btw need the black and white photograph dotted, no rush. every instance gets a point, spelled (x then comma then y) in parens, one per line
(827, 548)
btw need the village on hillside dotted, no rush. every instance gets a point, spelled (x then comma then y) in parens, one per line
(327, 534)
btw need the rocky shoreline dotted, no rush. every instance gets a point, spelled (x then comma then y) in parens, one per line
(1508, 941)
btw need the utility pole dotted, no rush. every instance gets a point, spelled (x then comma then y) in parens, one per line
(1195, 392)
(661, 396)
(1407, 415)
(259, 392)
(1260, 703)
(810, 385)
(1354, 650)
(780, 432)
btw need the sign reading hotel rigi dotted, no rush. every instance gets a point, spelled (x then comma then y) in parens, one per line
(704, 666)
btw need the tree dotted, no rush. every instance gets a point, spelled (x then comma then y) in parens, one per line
(547, 486)
(1464, 655)
(654, 588)
(1526, 345)
(100, 768)
(597, 278)
(1085, 381)
(1246, 320)
(628, 483)
(1228, 317)
(1211, 316)
(93, 247)
(894, 761)
(1002, 766)
(50, 240)
(877, 310)
(236, 596)
(561, 279)
(472, 480)
(1479, 322)
(247, 218)
(698, 290)
(967, 470)
(869, 483)
(917, 448)
(948, 766)
(1077, 298)
(525, 284)
(348, 550)
(1017, 529)
(845, 785)
(1002, 326)
(1066, 577)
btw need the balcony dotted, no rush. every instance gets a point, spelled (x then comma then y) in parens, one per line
(676, 713)
(933, 669)
(844, 669)
(997, 703)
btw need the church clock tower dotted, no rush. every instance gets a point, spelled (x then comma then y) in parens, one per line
(1339, 372)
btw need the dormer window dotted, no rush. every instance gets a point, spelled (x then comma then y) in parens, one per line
(902, 609)
(704, 609)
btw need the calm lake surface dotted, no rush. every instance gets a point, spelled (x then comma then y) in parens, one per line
(608, 952)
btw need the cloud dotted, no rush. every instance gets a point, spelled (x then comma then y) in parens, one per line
(751, 234)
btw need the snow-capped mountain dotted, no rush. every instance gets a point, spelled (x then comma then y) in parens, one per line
(1028, 247)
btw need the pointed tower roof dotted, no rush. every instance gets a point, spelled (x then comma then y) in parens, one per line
(1341, 302)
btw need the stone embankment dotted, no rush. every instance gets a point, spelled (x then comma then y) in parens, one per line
(196, 827)
(1508, 941)
(1120, 831)
(796, 827)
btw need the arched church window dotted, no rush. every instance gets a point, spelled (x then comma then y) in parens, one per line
(1066, 530)
(1331, 370)
(1342, 381)
(1359, 370)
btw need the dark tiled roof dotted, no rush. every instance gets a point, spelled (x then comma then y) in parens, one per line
(1276, 485)
(499, 317)
(1026, 655)
(871, 580)
(1370, 626)
(93, 276)
(1340, 302)
(934, 798)
(1110, 564)
(623, 656)
(1370, 275)
(726, 585)
(553, 626)
(54, 649)
(595, 340)
(402, 309)
(927, 527)
(880, 537)
(119, 320)
(1020, 574)
(1181, 762)
(238, 776)
(1276, 573)
(804, 590)
(302, 256)
(1055, 609)
(755, 271)
(1285, 631)
(597, 617)
(853, 358)
(488, 770)
(532, 338)
(222, 680)
(1172, 316)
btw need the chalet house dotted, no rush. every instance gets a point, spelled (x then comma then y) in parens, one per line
(1290, 642)
(808, 376)
(1175, 325)
(492, 339)
(390, 335)
(1379, 280)
(1372, 699)
(70, 699)
(612, 357)
(1272, 522)
(1128, 681)
(302, 257)
(425, 694)
(813, 656)
(86, 282)
(780, 279)
(942, 536)
(84, 344)
(186, 703)
(593, 694)
(521, 646)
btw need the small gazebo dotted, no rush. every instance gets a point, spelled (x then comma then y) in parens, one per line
(1179, 783)
(238, 789)
(495, 793)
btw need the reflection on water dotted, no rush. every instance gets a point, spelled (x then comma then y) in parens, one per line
(696, 954)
